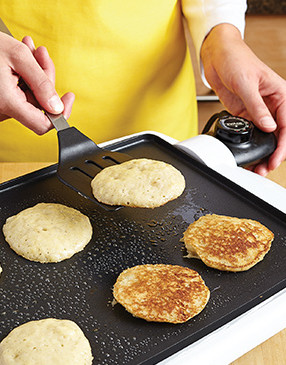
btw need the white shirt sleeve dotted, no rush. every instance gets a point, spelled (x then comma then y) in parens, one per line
(203, 15)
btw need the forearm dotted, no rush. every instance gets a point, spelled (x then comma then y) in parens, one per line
(203, 15)
(216, 46)
(220, 38)
(222, 34)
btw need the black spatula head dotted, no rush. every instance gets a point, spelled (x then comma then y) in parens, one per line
(80, 159)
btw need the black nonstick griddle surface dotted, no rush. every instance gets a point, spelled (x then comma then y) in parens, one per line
(80, 288)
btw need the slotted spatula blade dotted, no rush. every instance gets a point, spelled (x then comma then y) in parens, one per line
(80, 159)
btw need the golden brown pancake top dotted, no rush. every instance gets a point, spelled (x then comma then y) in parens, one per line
(228, 243)
(161, 293)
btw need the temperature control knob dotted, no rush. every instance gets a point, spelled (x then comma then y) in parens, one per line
(248, 144)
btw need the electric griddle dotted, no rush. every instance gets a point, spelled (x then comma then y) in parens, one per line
(80, 288)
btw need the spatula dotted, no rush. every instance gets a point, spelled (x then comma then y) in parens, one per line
(80, 159)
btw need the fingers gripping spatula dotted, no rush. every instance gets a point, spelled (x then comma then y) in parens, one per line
(80, 159)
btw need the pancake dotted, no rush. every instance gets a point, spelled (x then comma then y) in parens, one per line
(141, 183)
(161, 293)
(47, 341)
(48, 232)
(227, 243)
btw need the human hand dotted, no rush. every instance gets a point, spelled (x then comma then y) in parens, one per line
(246, 87)
(35, 67)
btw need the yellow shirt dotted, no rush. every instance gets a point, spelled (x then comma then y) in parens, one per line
(126, 61)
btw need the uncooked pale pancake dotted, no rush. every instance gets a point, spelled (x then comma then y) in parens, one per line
(46, 342)
(48, 232)
(227, 243)
(161, 293)
(141, 183)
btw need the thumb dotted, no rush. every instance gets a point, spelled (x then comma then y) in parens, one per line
(264, 121)
(25, 65)
(258, 110)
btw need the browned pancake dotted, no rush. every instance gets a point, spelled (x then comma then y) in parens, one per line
(161, 293)
(227, 243)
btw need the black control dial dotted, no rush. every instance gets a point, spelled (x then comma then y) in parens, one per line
(234, 129)
(248, 144)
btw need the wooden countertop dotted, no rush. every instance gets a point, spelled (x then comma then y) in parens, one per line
(272, 351)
